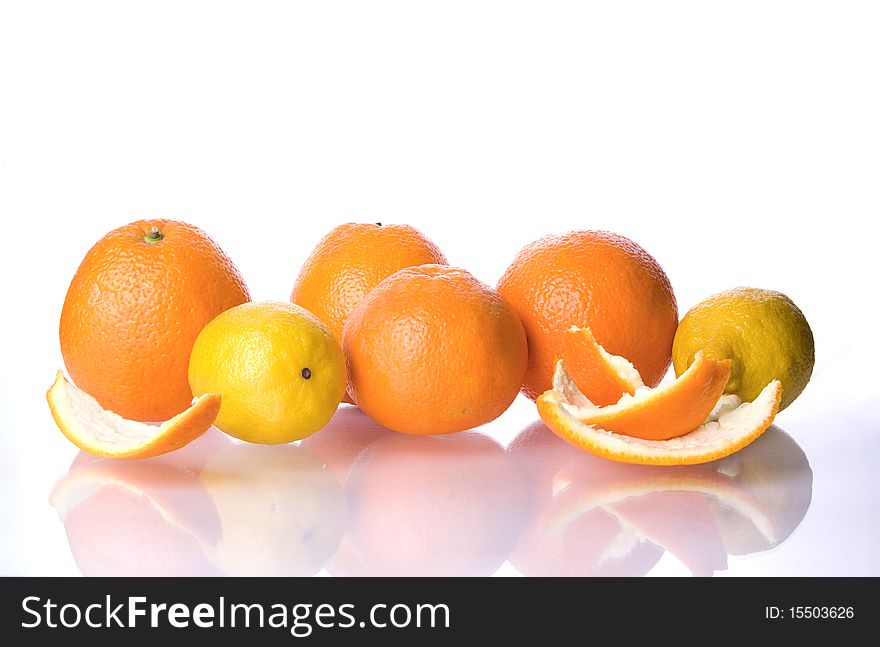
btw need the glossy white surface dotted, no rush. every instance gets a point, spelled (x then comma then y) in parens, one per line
(737, 144)
(356, 499)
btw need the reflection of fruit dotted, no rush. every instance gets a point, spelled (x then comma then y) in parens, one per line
(668, 411)
(603, 377)
(339, 444)
(350, 261)
(280, 372)
(763, 332)
(345, 436)
(442, 505)
(104, 433)
(539, 454)
(727, 430)
(594, 544)
(280, 508)
(134, 309)
(680, 522)
(596, 279)
(431, 350)
(561, 537)
(775, 470)
(592, 516)
(664, 507)
(143, 518)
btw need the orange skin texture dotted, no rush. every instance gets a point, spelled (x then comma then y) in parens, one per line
(672, 410)
(133, 311)
(594, 279)
(353, 259)
(590, 370)
(431, 350)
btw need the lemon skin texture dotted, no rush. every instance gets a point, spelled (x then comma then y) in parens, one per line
(278, 369)
(763, 332)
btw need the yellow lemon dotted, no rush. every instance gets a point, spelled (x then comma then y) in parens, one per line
(277, 367)
(763, 332)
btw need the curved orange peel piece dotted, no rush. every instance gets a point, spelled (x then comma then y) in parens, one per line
(668, 411)
(104, 433)
(600, 376)
(731, 426)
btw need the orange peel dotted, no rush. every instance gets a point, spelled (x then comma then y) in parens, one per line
(667, 411)
(730, 426)
(104, 433)
(601, 376)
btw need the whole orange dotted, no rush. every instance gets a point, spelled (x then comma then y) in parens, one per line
(431, 350)
(134, 309)
(350, 261)
(597, 279)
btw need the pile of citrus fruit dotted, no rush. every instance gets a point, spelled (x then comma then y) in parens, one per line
(158, 325)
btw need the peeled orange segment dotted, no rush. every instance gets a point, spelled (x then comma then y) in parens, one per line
(600, 376)
(731, 426)
(104, 433)
(665, 412)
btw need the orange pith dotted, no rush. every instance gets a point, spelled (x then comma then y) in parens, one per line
(104, 433)
(600, 376)
(668, 411)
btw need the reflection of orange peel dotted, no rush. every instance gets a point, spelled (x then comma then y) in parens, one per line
(104, 433)
(730, 426)
(680, 522)
(708, 484)
(193, 513)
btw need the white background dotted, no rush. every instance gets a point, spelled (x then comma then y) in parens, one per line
(739, 143)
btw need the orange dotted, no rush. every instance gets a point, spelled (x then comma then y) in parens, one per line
(431, 350)
(134, 309)
(350, 261)
(730, 426)
(104, 433)
(597, 279)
